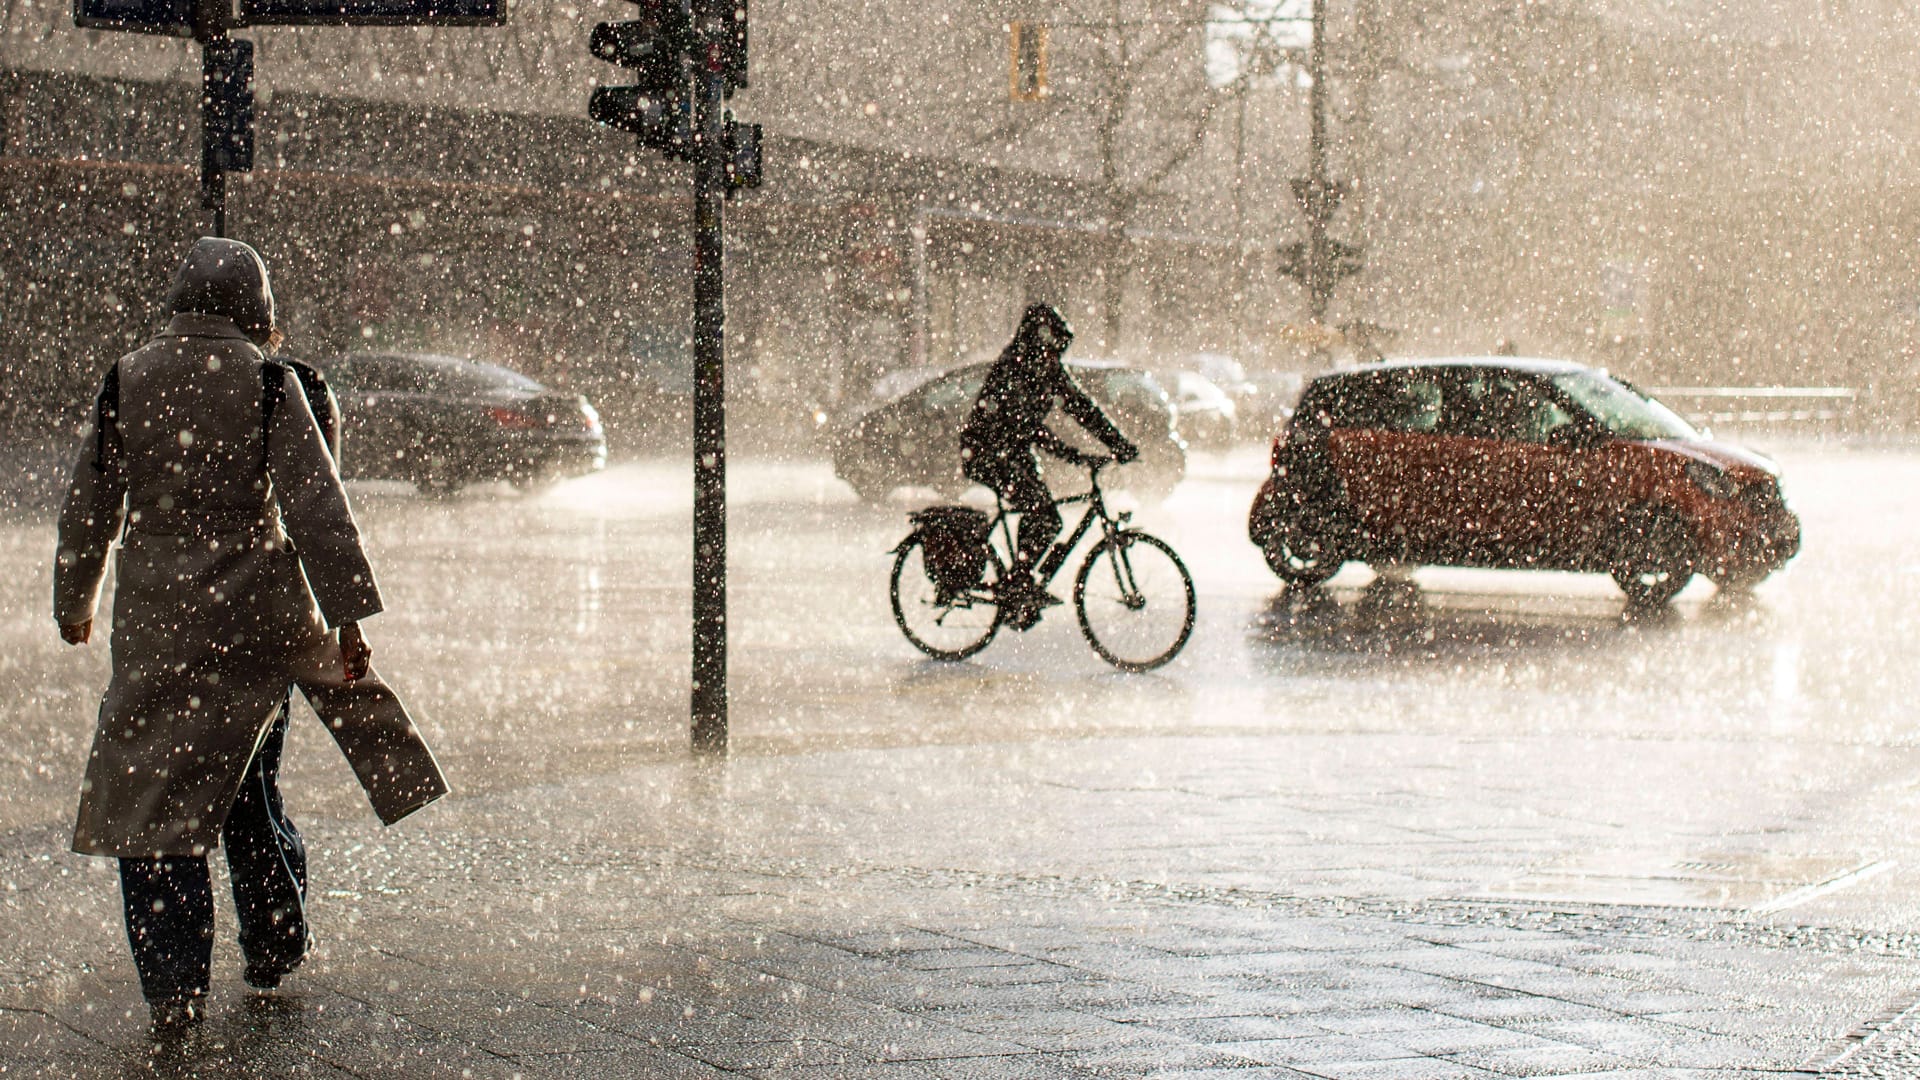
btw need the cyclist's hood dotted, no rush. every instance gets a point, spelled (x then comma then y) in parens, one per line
(1042, 326)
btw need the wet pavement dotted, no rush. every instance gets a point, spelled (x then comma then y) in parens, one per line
(1463, 824)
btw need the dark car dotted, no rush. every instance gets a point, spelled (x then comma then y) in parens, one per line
(914, 440)
(442, 422)
(1501, 462)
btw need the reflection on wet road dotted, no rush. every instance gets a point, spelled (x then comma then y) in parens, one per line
(543, 637)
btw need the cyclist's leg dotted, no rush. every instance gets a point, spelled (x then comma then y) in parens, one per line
(1040, 522)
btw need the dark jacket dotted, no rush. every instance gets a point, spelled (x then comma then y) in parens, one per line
(1021, 389)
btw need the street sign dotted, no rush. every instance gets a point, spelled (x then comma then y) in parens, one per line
(174, 17)
(1318, 196)
(368, 12)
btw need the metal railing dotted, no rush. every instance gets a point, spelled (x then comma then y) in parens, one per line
(1795, 406)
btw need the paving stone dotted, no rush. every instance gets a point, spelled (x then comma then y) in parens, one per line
(501, 1024)
(745, 1057)
(633, 1063)
(1509, 1008)
(1051, 1030)
(881, 1071)
(1416, 1068)
(1315, 1050)
(1219, 1029)
(1231, 1073)
(1551, 1060)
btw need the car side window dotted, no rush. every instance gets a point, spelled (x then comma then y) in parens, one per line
(1502, 405)
(1413, 400)
(945, 395)
(1356, 402)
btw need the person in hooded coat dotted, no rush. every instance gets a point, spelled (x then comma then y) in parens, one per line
(239, 574)
(1008, 423)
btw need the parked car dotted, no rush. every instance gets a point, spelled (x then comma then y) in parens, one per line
(1202, 411)
(1498, 462)
(914, 440)
(442, 422)
(1267, 402)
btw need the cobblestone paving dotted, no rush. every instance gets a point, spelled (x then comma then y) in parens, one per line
(1885, 1046)
(618, 960)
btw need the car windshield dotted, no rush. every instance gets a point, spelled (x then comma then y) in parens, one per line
(1622, 410)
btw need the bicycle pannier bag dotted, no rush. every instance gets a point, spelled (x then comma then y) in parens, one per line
(954, 539)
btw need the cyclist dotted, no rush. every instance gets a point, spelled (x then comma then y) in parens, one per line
(1009, 421)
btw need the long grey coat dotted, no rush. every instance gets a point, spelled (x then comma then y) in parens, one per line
(238, 557)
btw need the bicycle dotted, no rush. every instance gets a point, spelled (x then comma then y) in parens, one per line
(1133, 595)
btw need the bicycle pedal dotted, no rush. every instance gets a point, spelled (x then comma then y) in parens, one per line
(1022, 618)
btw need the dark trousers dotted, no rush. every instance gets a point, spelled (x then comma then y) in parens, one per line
(169, 901)
(1015, 477)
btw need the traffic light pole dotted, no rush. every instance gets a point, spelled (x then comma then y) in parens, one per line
(210, 30)
(709, 397)
(1319, 256)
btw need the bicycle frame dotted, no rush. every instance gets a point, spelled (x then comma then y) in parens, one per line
(1056, 556)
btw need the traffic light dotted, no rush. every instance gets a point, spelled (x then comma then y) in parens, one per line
(226, 104)
(173, 17)
(742, 143)
(659, 107)
(1342, 260)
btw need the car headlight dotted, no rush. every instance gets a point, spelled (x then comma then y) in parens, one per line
(1712, 480)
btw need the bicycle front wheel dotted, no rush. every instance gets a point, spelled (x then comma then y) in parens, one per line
(942, 626)
(1135, 600)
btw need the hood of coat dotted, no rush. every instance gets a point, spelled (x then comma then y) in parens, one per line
(227, 279)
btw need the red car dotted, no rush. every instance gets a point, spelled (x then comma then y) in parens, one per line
(1501, 462)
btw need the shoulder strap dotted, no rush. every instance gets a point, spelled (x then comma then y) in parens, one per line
(106, 412)
(326, 414)
(273, 388)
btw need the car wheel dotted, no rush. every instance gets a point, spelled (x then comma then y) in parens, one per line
(1653, 557)
(1301, 555)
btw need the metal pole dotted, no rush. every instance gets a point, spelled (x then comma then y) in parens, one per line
(210, 30)
(709, 397)
(1319, 256)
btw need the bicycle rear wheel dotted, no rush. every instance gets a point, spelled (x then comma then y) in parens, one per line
(1135, 600)
(943, 627)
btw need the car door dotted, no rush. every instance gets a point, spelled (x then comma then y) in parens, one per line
(1515, 463)
(1380, 421)
(1414, 405)
(926, 442)
(1466, 456)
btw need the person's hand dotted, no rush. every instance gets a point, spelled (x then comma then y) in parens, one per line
(77, 633)
(355, 653)
(1126, 453)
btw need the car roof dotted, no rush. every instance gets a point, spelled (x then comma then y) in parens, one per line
(503, 375)
(443, 359)
(1532, 365)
